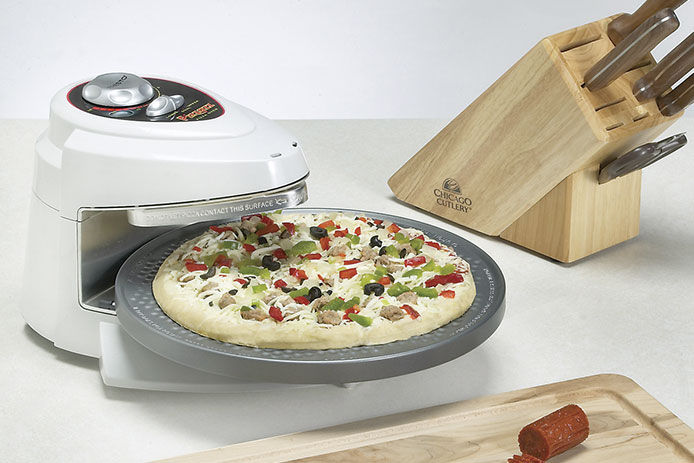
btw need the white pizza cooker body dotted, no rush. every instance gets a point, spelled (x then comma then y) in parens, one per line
(88, 161)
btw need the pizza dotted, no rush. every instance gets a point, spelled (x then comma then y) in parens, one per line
(312, 281)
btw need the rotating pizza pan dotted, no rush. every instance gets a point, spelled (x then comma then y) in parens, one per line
(143, 319)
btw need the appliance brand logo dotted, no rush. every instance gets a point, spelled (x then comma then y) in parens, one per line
(201, 111)
(449, 195)
(119, 81)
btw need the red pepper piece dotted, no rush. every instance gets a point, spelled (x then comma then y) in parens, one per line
(443, 279)
(448, 294)
(420, 237)
(222, 261)
(312, 256)
(347, 273)
(249, 248)
(410, 311)
(433, 244)
(393, 228)
(351, 261)
(415, 261)
(353, 309)
(197, 248)
(324, 243)
(320, 277)
(279, 284)
(555, 433)
(377, 221)
(189, 261)
(217, 229)
(192, 266)
(241, 281)
(247, 217)
(266, 220)
(276, 313)
(385, 281)
(357, 231)
(327, 223)
(363, 219)
(340, 233)
(302, 300)
(300, 274)
(272, 228)
(279, 253)
(291, 228)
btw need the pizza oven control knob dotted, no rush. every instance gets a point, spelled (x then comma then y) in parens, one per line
(164, 105)
(118, 89)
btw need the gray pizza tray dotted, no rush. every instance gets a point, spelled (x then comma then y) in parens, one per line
(144, 321)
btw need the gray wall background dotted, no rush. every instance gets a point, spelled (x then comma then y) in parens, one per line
(289, 59)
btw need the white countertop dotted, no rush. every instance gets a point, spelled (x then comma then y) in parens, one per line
(626, 310)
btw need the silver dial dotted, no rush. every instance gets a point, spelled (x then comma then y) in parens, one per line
(164, 105)
(118, 89)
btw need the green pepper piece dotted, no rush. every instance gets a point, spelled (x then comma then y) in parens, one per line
(354, 239)
(400, 238)
(416, 244)
(447, 269)
(397, 289)
(245, 308)
(255, 304)
(415, 271)
(350, 303)
(259, 288)
(265, 274)
(298, 292)
(368, 277)
(363, 320)
(381, 271)
(425, 292)
(224, 270)
(430, 266)
(303, 247)
(252, 238)
(392, 251)
(209, 259)
(335, 304)
(250, 270)
(230, 244)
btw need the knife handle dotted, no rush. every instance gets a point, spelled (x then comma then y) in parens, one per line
(641, 157)
(627, 53)
(678, 99)
(669, 70)
(624, 25)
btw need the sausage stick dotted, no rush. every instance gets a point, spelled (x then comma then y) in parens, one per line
(525, 458)
(554, 433)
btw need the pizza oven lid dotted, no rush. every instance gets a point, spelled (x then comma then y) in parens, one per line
(143, 319)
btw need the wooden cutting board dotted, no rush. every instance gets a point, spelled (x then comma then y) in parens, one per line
(627, 425)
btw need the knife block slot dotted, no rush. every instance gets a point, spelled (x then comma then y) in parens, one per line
(579, 43)
(611, 103)
(527, 152)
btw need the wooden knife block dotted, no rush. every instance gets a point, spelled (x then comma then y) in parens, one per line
(522, 161)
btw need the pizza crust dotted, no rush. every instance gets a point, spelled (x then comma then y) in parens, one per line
(194, 313)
